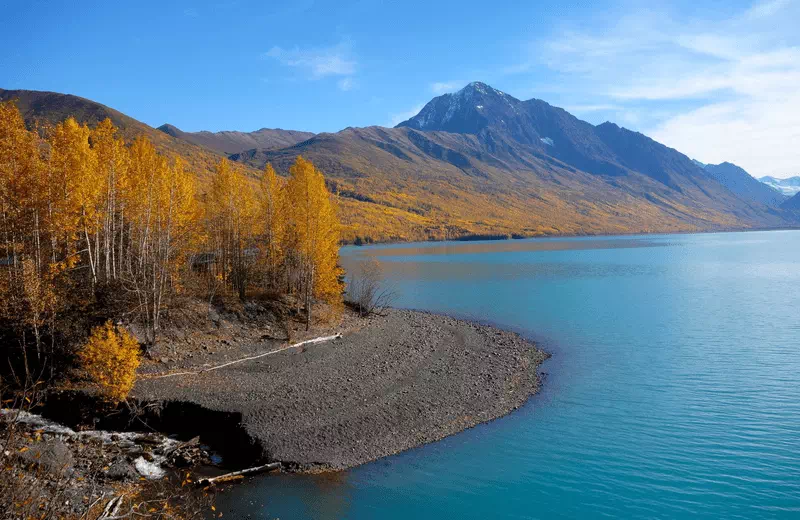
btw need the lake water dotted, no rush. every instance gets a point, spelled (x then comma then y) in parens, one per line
(673, 390)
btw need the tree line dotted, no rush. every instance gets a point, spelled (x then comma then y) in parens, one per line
(87, 218)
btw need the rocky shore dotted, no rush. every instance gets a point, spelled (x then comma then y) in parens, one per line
(52, 471)
(393, 383)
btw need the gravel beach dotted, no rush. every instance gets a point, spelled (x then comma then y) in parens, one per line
(401, 380)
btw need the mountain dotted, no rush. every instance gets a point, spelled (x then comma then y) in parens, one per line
(475, 163)
(788, 187)
(497, 118)
(744, 185)
(792, 204)
(502, 123)
(480, 161)
(229, 142)
(50, 108)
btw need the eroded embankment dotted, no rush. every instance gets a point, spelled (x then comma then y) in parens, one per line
(221, 430)
(402, 380)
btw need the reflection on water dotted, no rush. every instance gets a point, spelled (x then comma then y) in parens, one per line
(494, 259)
(455, 270)
(506, 246)
(307, 496)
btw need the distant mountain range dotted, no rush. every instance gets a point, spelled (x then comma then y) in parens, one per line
(769, 191)
(232, 142)
(480, 162)
(745, 185)
(788, 187)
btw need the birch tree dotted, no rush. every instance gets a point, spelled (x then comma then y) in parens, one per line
(313, 235)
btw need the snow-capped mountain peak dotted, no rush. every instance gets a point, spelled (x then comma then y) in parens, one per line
(469, 110)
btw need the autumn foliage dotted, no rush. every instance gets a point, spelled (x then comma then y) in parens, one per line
(280, 235)
(312, 234)
(87, 218)
(110, 358)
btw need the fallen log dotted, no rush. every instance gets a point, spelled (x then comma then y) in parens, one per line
(239, 474)
(338, 335)
(195, 441)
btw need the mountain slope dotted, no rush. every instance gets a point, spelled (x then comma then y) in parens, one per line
(792, 204)
(608, 150)
(43, 108)
(520, 169)
(228, 142)
(744, 185)
(402, 184)
(788, 187)
(527, 166)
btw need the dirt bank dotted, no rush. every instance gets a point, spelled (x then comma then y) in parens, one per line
(397, 382)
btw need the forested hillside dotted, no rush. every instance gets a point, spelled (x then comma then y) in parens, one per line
(475, 163)
(43, 109)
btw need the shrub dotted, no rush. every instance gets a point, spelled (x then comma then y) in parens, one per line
(110, 357)
(367, 290)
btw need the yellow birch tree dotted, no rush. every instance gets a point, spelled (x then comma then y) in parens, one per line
(231, 217)
(272, 213)
(313, 235)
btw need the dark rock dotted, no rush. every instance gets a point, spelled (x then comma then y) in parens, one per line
(122, 470)
(53, 456)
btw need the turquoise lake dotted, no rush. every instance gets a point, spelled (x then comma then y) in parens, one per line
(673, 390)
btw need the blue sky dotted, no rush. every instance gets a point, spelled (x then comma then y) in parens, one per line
(718, 80)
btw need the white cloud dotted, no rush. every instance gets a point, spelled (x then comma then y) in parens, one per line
(716, 89)
(766, 9)
(346, 84)
(396, 119)
(318, 62)
(761, 134)
(191, 12)
(444, 87)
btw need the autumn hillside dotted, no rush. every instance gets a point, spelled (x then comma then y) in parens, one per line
(481, 162)
(475, 163)
(50, 108)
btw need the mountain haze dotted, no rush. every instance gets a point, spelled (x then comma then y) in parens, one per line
(788, 187)
(744, 185)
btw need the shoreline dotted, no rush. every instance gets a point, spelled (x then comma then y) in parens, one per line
(497, 238)
(400, 381)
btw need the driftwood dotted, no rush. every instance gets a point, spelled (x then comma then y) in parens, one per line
(190, 443)
(236, 475)
(307, 342)
(112, 508)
